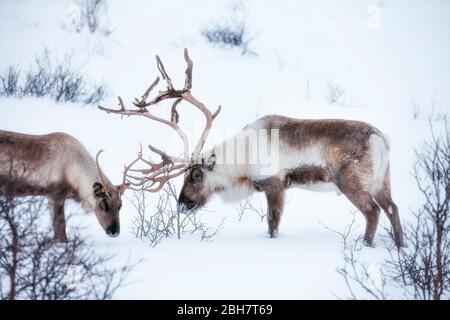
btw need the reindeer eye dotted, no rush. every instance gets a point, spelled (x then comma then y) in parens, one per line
(196, 176)
(104, 205)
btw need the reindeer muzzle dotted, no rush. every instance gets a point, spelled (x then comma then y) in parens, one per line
(185, 205)
(114, 230)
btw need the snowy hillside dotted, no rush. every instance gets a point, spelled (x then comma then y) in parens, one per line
(390, 60)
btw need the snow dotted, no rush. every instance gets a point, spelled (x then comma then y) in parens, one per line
(302, 47)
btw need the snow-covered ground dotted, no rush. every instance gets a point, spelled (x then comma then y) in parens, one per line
(386, 55)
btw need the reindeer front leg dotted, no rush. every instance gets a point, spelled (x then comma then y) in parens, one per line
(275, 203)
(58, 218)
(273, 187)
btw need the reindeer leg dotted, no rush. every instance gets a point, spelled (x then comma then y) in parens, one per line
(355, 191)
(370, 210)
(274, 190)
(58, 219)
(385, 201)
(275, 202)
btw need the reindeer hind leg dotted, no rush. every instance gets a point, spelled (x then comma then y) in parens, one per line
(356, 191)
(384, 200)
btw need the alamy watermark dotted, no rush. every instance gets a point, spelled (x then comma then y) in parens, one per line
(257, 148)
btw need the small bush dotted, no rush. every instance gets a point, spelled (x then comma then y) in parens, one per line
(231, 32)
(335, 93)
(226, 35)
(35, 267)
(90, 14)
(57, 80)
(98, 93)
(93, 12)
(167, 221)
(9, 81)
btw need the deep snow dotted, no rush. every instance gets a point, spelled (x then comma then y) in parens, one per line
(302, 46)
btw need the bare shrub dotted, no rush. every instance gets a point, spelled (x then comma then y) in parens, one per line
(167, 221)
(422, 269)
(93, 14)
(363, 280)
(346, 234)
(247, 206)
(231, 31)
(335, 93)
(39, 81)
(60, 81)
(437, 113)
(97, 94)
(34, 266)
(9, 81)
(415, 110)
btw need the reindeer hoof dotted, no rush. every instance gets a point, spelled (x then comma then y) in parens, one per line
(401, 245)
(369, 244)
(61, 239)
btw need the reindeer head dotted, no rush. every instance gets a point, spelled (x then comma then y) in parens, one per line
(198, 185)
(107, 202)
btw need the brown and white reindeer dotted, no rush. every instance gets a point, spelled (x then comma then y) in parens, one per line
(350, 157)
(58, 167)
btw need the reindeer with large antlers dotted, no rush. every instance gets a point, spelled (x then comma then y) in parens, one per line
(349, 157)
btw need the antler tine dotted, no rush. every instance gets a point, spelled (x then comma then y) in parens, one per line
(143, 102)
(161, 181)
(157, 173)
(125, 182)
(209, 119)
(140, 103)
(190, 65)
(215, 114)
(121, 109)
(99, 171)
(159, 177)
(122, 105)
(164, 73)
(191, 99)
(175, 117)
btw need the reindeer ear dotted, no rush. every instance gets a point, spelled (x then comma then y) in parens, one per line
(99, 190)
(210, 162)
(258, 185)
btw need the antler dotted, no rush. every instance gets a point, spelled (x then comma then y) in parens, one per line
(99, 171)
(153, 177)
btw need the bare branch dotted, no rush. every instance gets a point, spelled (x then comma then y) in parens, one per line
(166, 220)
(100, 174)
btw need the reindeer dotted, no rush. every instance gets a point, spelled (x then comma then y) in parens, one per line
(349, 157)
(58, 167)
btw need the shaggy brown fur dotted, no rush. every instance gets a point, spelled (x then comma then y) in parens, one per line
(58, 167)
(350, 156)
